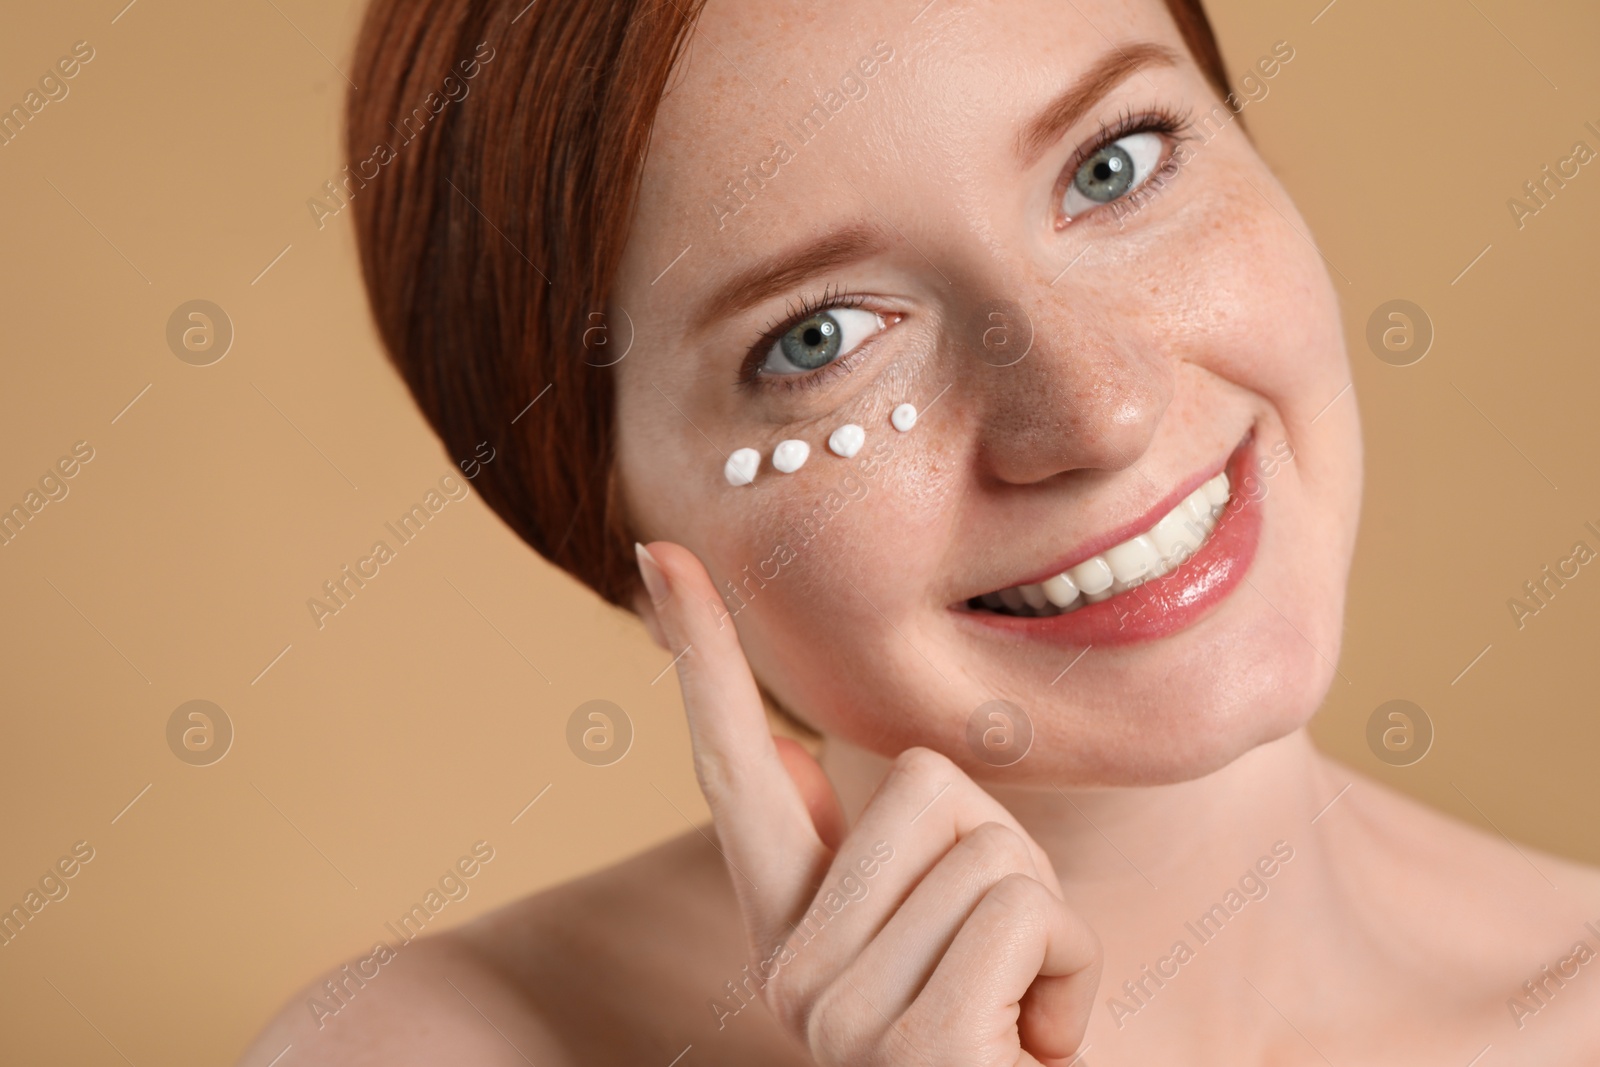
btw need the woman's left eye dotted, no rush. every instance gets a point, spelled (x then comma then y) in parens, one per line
(819, 339)
(1112, 172)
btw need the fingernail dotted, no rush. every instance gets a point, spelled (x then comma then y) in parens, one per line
(655, 583)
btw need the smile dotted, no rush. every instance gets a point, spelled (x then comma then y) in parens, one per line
(1156, 552)
(1151, 578)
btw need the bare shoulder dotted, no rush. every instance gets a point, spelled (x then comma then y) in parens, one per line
(1421, 850)
(1493, 921)
(432, 995)
(618, 966)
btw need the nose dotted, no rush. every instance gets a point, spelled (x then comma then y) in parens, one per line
(1067, 380)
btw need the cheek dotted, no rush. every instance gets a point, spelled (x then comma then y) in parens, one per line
(1258, 307)
(1268, 300)
(815, 562)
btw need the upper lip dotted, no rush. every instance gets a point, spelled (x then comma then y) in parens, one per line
(1131, 529)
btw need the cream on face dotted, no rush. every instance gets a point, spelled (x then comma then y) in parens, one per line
(1160, 337)
(740, 469)
(847, 440)
(790, 455)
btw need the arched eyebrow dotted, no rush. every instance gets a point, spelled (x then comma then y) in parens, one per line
(787, 269)
(1113, 68)
(856, 242)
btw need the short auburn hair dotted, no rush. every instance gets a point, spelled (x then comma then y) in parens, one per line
(495, 149)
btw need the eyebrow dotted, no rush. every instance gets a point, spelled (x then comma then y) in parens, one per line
(1087, 91)
(787, 269)
(859, 241)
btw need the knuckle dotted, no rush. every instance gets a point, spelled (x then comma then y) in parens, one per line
(1018, 893)
(788, 1006)
(919, 763)
(999, 848)
(832, 1027)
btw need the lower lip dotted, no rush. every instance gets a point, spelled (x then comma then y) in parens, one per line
(1159, 606)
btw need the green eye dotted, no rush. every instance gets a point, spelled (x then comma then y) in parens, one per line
(820, 339)
(1112, 172)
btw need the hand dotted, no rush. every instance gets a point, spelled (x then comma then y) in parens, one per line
(956, 948)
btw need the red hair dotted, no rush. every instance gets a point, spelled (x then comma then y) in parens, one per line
(491, 233)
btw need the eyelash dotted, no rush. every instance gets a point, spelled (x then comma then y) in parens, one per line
(1176, 126)
(830, 298)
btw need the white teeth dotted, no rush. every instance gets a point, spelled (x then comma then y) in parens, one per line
(1173, 536)
(1060, 591)
(1163, 548)
(1133, 559)
(1092, 576)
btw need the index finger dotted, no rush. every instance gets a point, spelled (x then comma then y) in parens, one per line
(766, 832)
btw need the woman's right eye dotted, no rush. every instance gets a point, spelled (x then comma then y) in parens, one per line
(819, 339)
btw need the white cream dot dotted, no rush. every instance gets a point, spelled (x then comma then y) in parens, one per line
(741, 466)
(904, 417)
(847, 440)
(790, 455)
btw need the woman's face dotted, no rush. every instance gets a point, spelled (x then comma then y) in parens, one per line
(1037, 224)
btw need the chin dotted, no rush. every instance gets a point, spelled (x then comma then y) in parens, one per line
(1196, 721)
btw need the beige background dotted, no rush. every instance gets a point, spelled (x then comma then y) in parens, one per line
(427, 715)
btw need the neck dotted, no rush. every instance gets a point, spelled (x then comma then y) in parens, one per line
(1192, 863)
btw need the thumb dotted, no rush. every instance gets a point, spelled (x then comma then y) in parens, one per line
(822, 803)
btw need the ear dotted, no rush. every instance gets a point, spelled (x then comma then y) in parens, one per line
(646, 611)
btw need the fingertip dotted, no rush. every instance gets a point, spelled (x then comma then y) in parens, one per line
(691, 606)
(650, 572)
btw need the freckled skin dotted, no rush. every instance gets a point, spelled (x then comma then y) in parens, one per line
(1395, 936)
(1169, 338)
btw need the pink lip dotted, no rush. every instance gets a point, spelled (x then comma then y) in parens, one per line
(1160, 606)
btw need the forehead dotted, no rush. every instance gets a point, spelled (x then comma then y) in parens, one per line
(785, 118)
